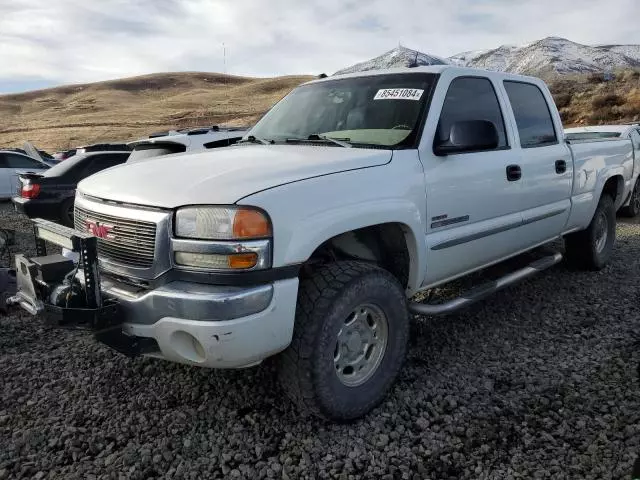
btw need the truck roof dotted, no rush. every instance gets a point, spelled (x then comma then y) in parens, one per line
(435, 69)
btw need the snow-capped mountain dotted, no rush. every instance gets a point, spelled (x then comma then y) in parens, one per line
(398, 57)
(552, 55)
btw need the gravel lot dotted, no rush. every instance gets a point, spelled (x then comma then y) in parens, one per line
(539, 381)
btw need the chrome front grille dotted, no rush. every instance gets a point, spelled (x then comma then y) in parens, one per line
(132, 244)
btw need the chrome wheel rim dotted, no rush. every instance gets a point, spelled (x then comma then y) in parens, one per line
(601, 232)
(360, 345)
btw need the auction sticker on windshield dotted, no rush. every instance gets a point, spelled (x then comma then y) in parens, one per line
(399, 94)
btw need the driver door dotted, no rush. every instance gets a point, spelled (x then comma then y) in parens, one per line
(473, 204)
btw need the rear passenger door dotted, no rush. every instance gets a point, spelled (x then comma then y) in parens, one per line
(545, 162)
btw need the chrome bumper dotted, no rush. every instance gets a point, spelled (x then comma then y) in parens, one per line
(192, 301)
(210, 326)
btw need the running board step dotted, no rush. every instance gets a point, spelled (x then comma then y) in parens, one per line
(482, 291)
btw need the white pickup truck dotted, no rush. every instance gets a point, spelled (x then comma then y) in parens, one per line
(309, 238)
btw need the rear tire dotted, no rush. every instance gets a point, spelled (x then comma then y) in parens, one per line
(633, 209)
(591, 249)
(349, 341)
(66, 213)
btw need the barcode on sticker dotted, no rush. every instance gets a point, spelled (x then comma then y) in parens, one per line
(399, 94)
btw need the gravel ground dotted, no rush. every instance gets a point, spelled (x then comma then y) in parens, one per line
(539, 381)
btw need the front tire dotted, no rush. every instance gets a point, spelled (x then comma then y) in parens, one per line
(349, 341)
(591, 249)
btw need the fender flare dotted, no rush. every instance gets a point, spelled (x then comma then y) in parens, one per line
(316, 229)
(616, 173)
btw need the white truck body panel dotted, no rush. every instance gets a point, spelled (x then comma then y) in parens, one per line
(595, 162)
(631, 132)
(329, 205)
(237, 171)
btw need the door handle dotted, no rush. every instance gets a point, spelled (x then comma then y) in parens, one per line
(561, 167)
(514, 173)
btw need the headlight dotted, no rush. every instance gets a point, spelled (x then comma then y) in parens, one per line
(222, 223)
(221, 238)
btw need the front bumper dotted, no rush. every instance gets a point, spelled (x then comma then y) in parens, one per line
(188, 322)
(207, 325)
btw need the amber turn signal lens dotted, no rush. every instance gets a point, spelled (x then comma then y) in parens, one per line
(242, 260)
(250, 224)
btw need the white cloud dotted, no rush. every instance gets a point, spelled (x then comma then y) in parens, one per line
(86, 40)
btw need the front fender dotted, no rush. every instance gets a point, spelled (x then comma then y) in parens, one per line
(307, 213)
(316, 229)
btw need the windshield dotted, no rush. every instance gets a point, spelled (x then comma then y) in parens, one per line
(591, 135)
(376, 110)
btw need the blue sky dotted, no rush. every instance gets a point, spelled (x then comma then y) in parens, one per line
(53, 42)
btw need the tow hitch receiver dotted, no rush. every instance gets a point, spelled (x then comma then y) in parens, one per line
(48, 285)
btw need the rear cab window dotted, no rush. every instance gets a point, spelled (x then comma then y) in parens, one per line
(532, 114)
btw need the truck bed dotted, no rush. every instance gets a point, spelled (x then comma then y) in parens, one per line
(593, 161)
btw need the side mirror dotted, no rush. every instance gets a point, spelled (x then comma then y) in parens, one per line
(469, 136)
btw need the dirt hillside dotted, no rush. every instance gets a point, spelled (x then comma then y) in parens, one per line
(594, 100)
(130, 108)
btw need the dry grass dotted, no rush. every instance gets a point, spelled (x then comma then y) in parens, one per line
(590, 100)
(130, 108)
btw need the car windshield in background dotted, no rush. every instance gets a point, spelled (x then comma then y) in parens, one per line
(380, 110)
(591, 135)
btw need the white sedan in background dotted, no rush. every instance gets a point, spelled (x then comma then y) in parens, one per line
(11, 165)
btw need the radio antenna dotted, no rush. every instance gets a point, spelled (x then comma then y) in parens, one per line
(224, 57)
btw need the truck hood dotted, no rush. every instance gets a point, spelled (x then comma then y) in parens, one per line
(225, 175)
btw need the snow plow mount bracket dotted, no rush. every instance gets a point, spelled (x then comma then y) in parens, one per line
(86, 245)
(37, 279)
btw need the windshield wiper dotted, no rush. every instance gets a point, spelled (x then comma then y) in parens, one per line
(314, 137)
(254, 139)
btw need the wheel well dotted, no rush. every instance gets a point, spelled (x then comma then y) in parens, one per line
(384, 245)
(614, 187)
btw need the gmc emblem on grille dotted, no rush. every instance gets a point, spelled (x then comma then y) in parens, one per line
(100, 230)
